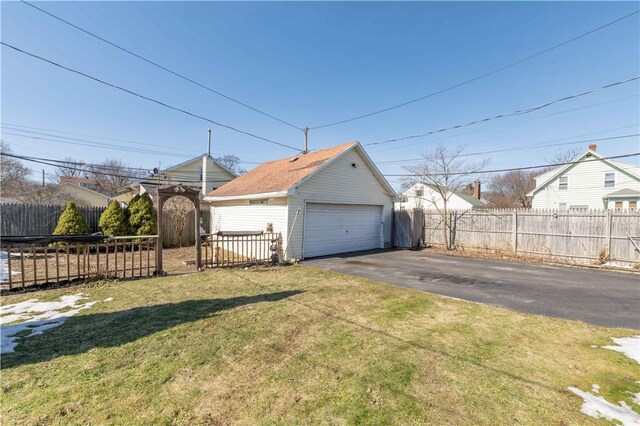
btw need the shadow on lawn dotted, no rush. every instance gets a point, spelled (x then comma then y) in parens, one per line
(85, 332)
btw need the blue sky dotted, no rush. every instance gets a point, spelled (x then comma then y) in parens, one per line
(313, 63)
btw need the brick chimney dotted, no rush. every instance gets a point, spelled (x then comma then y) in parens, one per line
(593, 147)
(476, 189)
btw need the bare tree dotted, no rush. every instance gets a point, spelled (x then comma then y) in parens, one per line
(179, 209)
(14, 176)
(231, 162)
(70, 168)
(112, 174)
(565, 156)
(445, 172)
(510, 189)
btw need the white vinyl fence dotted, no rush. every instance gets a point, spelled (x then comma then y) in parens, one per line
(578, 236)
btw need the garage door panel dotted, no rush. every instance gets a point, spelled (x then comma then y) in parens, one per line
(341, 228)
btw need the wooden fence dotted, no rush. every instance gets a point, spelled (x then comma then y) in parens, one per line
(242, 248)
(41, 219)
(23, 265)
(578, 236)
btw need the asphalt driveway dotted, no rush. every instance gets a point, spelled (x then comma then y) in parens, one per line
(610, 299)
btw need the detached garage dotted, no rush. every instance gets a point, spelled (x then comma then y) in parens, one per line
(324, 202)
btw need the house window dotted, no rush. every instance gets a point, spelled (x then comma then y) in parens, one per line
(633, 204)
(261, 201)
(579, 207)
(618, 204)
(609, 180)
(564, 182)
(419, 192)
(562, 206)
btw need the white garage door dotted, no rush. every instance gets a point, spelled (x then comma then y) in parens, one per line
(341, 228)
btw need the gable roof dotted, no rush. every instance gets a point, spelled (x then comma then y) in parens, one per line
(82, 188)
(198, 159)
(623, 193)
(278, 177)
(466, 197)
(628, 169)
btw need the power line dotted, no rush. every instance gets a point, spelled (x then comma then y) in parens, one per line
(99, 145)
(520, 168)
(58, 163)
(146, 97)
(519, 121)
(18, 127)
(507, 114)
(519, 148)
(487, 74)
(155, 64)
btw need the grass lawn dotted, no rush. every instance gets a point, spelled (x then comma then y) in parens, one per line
(298, 346)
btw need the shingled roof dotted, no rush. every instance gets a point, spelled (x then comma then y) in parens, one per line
(279, 176)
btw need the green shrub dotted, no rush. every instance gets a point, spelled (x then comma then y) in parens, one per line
(71, 221)
(142, 219)
(112, 221)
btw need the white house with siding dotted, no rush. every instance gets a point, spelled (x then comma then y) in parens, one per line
(324, 202)
(425, 196)
(590, 182)
(203, 172)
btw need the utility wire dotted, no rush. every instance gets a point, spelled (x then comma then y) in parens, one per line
(16, 127)
(148, 179)
(519, 148)
(507, 114)
(146, 97)
(39, 131)
(155, 64)
(519, 168)
(487, 74)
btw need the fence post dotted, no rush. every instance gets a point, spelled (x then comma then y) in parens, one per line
(608, 233)
(514, 232)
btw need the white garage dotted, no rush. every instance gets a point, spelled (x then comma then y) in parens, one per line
(341, 228)
(324, 202)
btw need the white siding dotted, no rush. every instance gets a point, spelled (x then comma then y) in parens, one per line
(190, 174)
(585, 187)
(431, 199)
(239, 215)
(339, 182)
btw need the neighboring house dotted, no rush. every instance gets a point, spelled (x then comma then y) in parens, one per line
(81, 195)
(65, 192)
(84, 182)
(325, 202)
(591, 182)
(426, 196)
(203, 172)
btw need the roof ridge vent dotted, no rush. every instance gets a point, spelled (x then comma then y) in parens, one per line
(294, 159)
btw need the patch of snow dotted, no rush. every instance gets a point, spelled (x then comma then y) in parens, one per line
(595, 388)
(636, 398)
(108, 299)
(599, 408)
(37, 317)
(502, 268)
(4, 267)
(629, 346)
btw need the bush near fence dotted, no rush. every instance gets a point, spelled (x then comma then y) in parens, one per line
(41, 219)
(577, 236)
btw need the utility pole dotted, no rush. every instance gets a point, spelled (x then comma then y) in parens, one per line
(306, 146)
(209, 150)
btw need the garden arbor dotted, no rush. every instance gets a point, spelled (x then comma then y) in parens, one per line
(164, 194)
